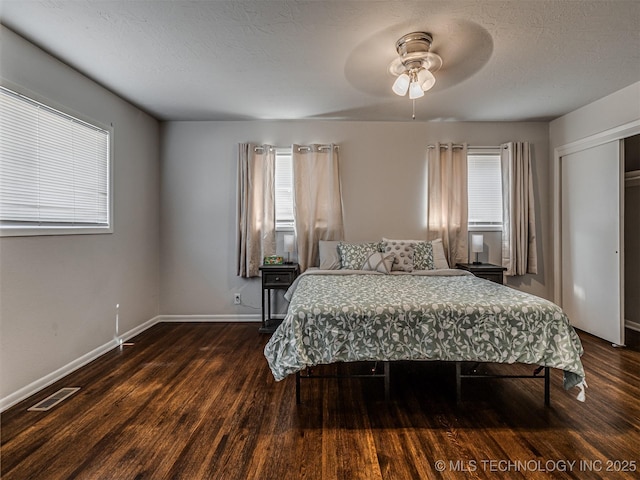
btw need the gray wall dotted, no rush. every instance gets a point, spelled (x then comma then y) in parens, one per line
(58, 293)
(383, 180)
(617, 109)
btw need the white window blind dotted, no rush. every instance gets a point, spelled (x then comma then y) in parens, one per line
(284, 190)
(484, 189)
(54, 168)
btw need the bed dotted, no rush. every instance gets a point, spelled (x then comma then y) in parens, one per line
(385, 315)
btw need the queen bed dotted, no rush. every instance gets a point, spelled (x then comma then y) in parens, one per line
(350, 315)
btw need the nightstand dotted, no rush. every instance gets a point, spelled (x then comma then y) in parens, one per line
(275, 277)
(484, 270)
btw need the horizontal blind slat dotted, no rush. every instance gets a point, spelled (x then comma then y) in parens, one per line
(53, 167)
(284, 189)
(484, 189)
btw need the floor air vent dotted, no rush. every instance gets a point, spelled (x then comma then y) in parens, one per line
(53, 400)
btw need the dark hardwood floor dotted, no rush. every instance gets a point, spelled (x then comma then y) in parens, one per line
(197, 401)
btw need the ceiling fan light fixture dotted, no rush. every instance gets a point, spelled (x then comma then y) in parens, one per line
(415, 91)
(426, 79)
(401, 85)
(414, 65)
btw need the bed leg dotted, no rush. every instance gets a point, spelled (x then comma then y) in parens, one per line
(547, 386)
(458, 383)
(387, 381)
(297, 388)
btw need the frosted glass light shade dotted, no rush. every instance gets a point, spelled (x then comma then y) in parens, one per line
(415, 91)
(288, 243)
(401, 85)
(426, 79)
(477, 242)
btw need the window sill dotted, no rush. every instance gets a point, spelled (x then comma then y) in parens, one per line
(48, 231)
(485, 228)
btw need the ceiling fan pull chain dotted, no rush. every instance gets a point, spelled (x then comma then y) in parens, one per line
(414, 109)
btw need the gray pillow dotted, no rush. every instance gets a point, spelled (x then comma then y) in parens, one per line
(402, 252)
(329, 256)
(439, 258)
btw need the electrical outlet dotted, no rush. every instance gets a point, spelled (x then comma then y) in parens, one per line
(236, 299)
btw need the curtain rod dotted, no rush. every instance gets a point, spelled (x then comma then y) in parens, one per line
(261, 149)
(320, 147)
(300, 148)
(470, 147)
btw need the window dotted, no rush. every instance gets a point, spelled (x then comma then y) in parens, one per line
(54, 170)
(484, 189)
(284, 189)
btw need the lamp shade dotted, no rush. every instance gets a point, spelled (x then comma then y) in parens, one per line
(477, 242)
(288, 243)
(401, 85)
(426, 79)
(415, 91)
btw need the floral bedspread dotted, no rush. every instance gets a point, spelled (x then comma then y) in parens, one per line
(355, 317)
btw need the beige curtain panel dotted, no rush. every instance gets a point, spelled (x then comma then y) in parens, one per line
(447, 216)
(519, 253)
(317, 199)
(256, 235)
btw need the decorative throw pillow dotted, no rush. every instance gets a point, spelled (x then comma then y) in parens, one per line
(423, 256)
(402, 254)
(329, 256)
(353, 255)
(379, 262)
(439, 258)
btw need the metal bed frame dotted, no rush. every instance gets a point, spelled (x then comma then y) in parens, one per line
(386, 375)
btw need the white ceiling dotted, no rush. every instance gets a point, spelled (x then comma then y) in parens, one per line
(511, 60)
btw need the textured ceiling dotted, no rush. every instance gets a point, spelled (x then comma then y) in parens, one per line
(233, 60)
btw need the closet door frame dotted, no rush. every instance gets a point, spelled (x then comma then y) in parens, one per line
(614, 134)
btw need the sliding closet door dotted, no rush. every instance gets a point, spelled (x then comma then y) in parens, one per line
(591, 250)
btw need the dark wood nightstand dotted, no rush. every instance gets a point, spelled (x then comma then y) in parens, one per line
(275, 277)
(484, 270)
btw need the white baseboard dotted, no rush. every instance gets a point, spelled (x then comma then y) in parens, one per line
(35, 387)
(632, 325)
(211, 318)
(53, 377)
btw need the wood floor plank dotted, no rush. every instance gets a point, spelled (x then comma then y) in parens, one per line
(197, 401)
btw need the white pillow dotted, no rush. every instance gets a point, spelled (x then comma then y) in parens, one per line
(379, 262)
(329, 256)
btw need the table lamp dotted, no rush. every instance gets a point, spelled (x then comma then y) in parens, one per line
(288, 246)
(477, 246)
